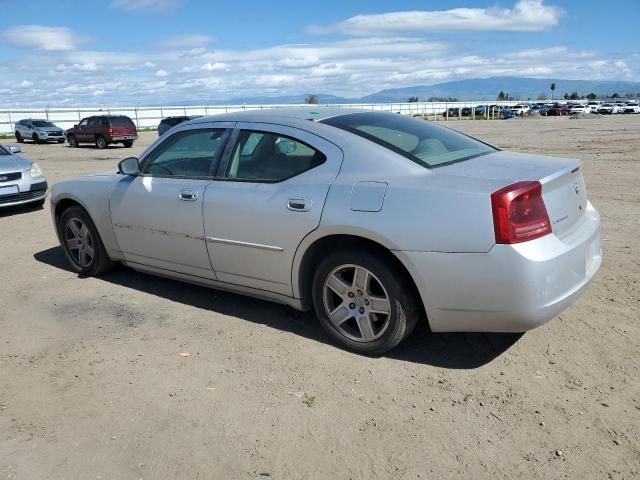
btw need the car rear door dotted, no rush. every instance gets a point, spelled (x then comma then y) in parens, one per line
(157, 216)
(269, 196)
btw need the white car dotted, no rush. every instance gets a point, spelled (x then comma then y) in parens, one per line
(608, 108)
(632, 107)
(374, 220)
(579, 108)
(520, 109)
(594, 106)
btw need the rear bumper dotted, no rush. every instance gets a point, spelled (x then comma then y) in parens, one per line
(122, 138)
(511, 288)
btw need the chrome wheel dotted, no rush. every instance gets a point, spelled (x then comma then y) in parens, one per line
(101, 143)
(79, 242)
(356, 303)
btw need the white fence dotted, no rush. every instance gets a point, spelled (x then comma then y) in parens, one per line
(149, 117)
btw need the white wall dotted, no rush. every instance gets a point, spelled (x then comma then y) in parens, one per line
(149, 117)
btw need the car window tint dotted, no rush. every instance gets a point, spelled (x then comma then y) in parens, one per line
(121, 122)
(269, 157)
(84, 122)
(186, 154)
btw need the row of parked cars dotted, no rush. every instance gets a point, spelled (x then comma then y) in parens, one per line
(545, 109)
(100, 130)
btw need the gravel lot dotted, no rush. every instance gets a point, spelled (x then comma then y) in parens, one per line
(93, 386)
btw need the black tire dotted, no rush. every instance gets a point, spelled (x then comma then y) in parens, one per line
(128, 143)
(101, 143)
(404, 305)
(100, 261)
(19, 138)
(35, 138)
(73, 143)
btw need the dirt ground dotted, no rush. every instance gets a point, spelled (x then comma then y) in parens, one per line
(92, 385)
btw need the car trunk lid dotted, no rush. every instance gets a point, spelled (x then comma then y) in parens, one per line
(563, 189)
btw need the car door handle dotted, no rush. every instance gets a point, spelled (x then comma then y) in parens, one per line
(299, 204)
(188, 196)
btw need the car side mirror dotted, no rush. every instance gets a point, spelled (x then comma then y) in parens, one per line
(15, 149)
(75, 126)
(129, 166)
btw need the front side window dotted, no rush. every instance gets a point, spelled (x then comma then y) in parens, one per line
(186, 154)
(427, 144)
(270, 157)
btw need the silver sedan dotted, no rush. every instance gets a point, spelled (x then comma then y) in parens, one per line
(376, 221)
(21, 180)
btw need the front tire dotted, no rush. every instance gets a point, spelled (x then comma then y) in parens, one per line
(35, 138)
(73, 143)
(82, 244)
(19, 138)
(364, 303)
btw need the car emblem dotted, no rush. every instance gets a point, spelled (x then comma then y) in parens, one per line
(2, 178)
(576, 187)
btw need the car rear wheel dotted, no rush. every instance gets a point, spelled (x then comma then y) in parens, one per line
(82, 244)
(19, 138)
(363, 303)
(73, 143)
(101, 143)
(128, 143)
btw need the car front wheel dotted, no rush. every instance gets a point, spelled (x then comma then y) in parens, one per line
(364, 303)
(81, 243)
(73, 143)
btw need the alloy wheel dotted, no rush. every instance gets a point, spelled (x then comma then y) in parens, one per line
(357, 303)
(79, 242)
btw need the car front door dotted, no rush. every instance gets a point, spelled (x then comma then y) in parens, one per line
(81, 130)
(157, 216)
(269, 196)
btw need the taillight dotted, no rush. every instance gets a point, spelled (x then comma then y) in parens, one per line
(111, 131)
(519, 213)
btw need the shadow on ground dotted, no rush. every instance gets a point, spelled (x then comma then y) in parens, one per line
(445, 350)
(20, 209)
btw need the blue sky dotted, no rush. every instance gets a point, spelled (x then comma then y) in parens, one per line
(95, 52)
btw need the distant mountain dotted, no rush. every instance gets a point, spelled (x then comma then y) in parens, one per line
(470, 89)
(488, 88)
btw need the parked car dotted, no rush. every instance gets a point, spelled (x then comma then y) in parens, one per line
(578, 108)
(557, 109)
(452, 112)
(21, 180)
(594, 105)
(39, 131)
(103, 130)
(632, 107)
(519, 109)
(620, 106)
(608, 108)
(168, 123)
(404, 220)
(481, 110)
(507, 113)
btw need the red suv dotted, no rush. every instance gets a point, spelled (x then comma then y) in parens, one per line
(103, 130)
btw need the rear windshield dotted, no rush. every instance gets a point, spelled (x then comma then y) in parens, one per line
(423, 142)
(42, 123)
(121, 122)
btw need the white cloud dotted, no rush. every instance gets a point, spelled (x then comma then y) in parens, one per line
(182, 42)
(41, 37)
(146, 6)
(525, 16)
(162, 73)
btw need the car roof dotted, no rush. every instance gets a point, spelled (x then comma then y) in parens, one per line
(310, 112)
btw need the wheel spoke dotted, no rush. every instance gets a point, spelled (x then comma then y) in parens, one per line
(82, 257)
(366, 329)
(84, 232)
(89, 250)
(74, 228)
(340, 315)
(72, 244)
(360, 278)
(338, 285)
(380, 305)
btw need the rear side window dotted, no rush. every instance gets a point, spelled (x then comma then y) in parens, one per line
(270, 157)
(426, 144)
(121, 122)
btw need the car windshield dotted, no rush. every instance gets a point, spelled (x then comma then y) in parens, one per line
(42, 123)
(426, 144)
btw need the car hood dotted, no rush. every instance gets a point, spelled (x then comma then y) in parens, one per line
(13, 163)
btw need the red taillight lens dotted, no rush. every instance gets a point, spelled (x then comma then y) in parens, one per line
(111, 131)
(519, 213)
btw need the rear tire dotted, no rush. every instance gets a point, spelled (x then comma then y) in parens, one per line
(101, 143)
(81, 243)
(377, 307)
(73, 143)
(128, 143)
